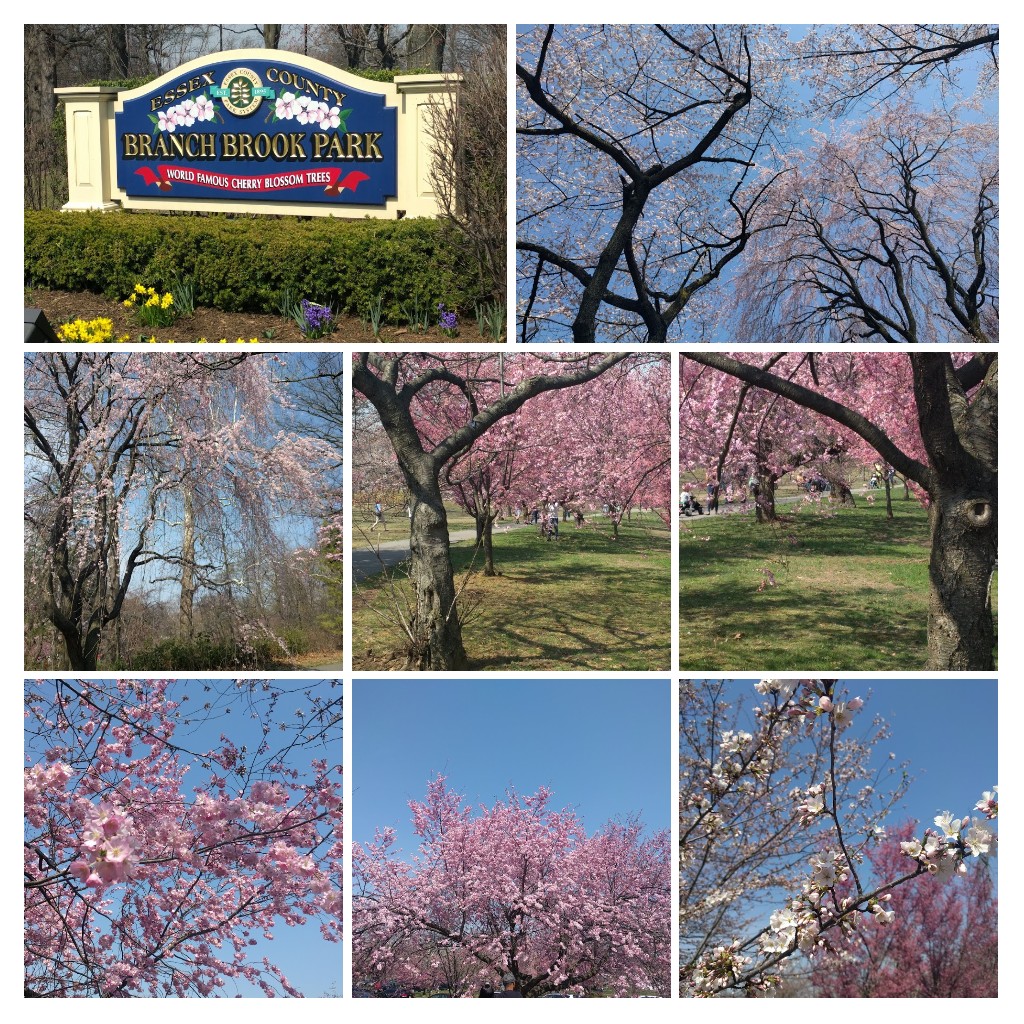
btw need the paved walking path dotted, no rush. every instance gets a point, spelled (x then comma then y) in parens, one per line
(389, 553)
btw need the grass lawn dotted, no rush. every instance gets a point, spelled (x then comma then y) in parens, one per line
(851, 591)
(583, 602)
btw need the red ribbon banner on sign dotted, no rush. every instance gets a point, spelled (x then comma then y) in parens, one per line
(167, 174)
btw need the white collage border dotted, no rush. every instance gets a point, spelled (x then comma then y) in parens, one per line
(1012, 494)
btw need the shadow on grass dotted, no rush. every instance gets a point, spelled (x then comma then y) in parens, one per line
(784, 630)
(585, 601)
(846, 593)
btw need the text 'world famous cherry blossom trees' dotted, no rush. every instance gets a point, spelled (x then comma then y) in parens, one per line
(159, 851)
(932, 416)
(696, 182)
(174, 472)
(520, 889)
(489, 430)
(780, 824)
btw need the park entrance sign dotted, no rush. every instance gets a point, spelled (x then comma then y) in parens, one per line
(258, 127)
(257, 131)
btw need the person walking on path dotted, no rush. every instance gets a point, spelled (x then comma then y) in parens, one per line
(713, 488)
(553, 520)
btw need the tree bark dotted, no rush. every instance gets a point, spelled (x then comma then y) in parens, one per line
(437, 633)
(488, 544)
(188, 564)
(764, 503)
(961, 634)
(118, 52)
(961, 440)
(425, 48)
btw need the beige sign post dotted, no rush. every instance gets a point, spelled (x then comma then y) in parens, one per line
(258, 131)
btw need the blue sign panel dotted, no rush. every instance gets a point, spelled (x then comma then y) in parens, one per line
(258, 130)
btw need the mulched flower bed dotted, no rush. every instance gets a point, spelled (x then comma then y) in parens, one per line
(213, 324)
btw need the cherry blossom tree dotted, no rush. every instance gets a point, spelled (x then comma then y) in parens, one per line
(151, 865)
(943, 942)
(784, 814)
(955, 468)
(639, 184)
(400, 387)
(665, 187)
(602, 445)
(849, 64)
(890, 234)
(739, 433)
(517, 888)
(137, 460)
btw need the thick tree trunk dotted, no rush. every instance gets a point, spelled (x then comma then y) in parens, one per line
(764, 506)
(82, 652)
(437, 632)
(117, 36)
(584, 327)
(487, 539)
(188, 565)
(40, 74)
(425, 48)
(961, 634)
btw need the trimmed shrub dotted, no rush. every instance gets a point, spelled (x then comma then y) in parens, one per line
(387, 74)
(243, 264)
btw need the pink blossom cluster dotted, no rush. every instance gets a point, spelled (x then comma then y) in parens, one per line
(108, 849)
(209, 868)
(517, 887)
(603, 445)
(40, 780)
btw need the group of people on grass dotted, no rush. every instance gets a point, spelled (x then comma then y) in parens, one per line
(690, 506)
(545, 515)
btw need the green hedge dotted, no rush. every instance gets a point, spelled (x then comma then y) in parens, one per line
(244, 264)
(387, 74)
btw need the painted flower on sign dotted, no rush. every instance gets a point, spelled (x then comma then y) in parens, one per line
(285, 106)
(329, 118)
(186, 112)
(205, 108)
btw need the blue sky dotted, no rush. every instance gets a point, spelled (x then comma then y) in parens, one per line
(602, 746)
(308, 962)
(945, 728)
